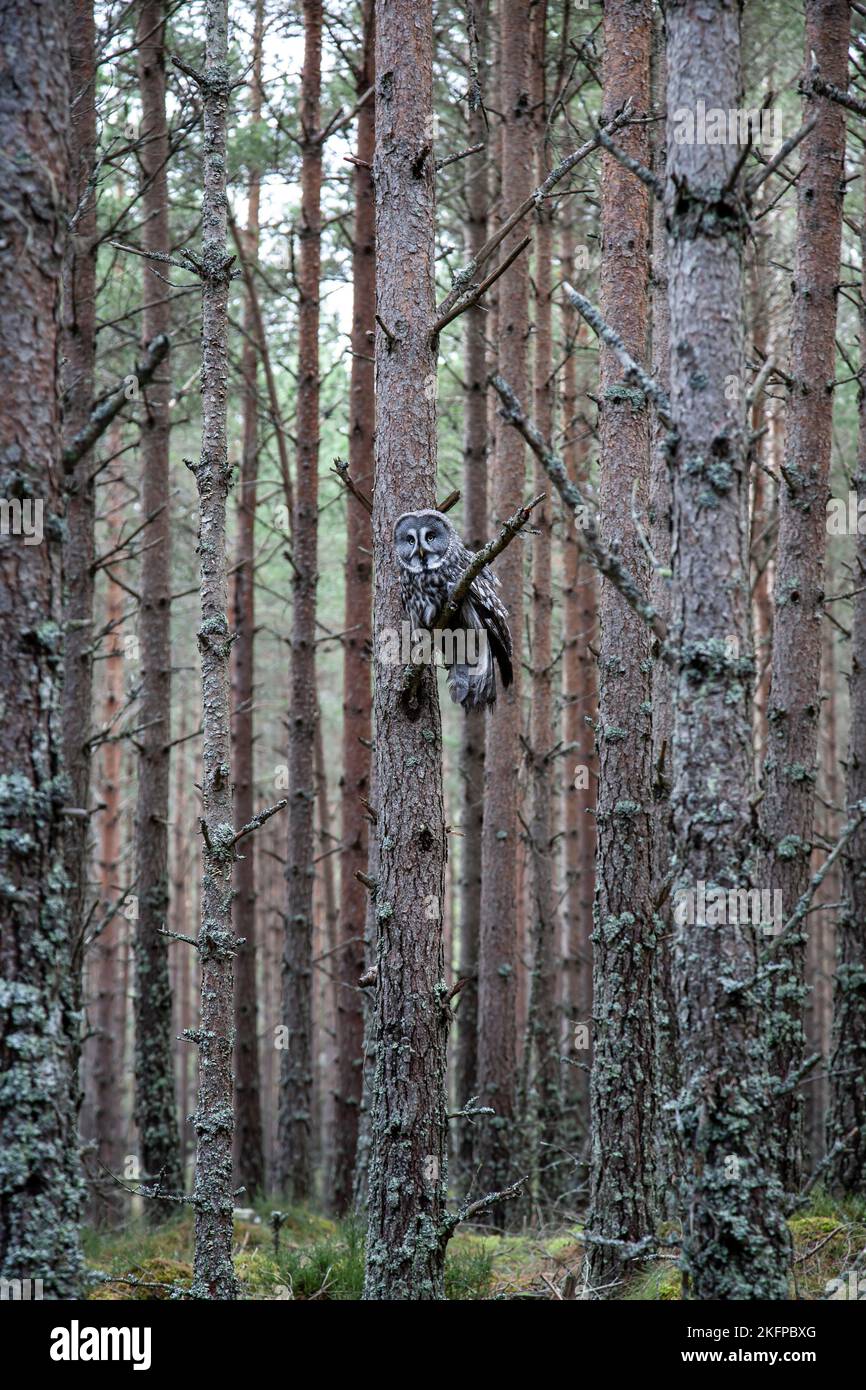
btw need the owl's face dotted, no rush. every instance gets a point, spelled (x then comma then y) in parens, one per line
(422, 540)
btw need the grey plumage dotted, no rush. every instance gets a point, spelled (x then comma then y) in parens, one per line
(432, 558)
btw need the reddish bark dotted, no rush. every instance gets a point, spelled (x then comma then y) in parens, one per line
(355, 781)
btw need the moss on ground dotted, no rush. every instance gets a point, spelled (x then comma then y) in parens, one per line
(318, 1258)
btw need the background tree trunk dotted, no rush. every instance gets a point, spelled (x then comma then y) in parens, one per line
(622, 1096)
(154, 1073)
(355, 782)
(794, 706)
(475, 449)
(296, 1113)
(214, 1117)
(500, 898)
(249, 1158)
(728, 1187)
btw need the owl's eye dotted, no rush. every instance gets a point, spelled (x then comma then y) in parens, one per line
(426, 537)
(411, 536)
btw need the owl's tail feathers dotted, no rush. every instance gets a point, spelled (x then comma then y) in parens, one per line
(474, 687)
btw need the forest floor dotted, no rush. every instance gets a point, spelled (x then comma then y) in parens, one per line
(317, 1258)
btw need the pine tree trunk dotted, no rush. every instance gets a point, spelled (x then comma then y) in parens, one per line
(405, 1254)
(41, 1189)
(786, 812)
(296, 1137)
(622, 1095)
(155, 1115)
(846, 1117)
(107, 1009)
(542, 1064)
(501, 910)
(78, 352)
(214, 1116)
(728, 1189)
(475, 535)
(249, 1159)
(355, 782)
(579, 701)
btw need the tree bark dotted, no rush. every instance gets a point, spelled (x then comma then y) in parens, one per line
(79, 352)
(500, 901)
(793, 710)
(846, 1117)
(579, 701)
(355, 782)
(543, 1101)
(155, 1114)
(40, 1190)
(622, 1098)
(249, 1158)
(214, 1116)
(475, 446)
(736, 1240)
(296, 1138)
(405, 1253)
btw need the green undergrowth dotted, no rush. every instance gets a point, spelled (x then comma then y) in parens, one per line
(320, 1259)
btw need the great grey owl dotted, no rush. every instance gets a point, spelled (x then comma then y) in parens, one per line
(432, 558)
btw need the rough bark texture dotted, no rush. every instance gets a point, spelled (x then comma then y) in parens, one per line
(106, 1007)
(736, 1240)
(622, 1095)
(500, 898)
(214, 1116)
(579, 700)
(541, 1063)
(355, 784)
(40, 1187)
(846, 1120)
(154, 1080)
(407, 1179)
(79, 350)
(249, 1158)
(475, 536)
(794, 706)
(295, 1168)
(659, 531)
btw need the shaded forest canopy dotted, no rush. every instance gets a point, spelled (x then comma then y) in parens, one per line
(349, 341)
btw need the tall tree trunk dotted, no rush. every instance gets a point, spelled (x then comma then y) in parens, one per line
(155, 1115)
(542, 1064)
(405, 1241)
(296, 1138)
(107, 1009)
(622, 1098)
(476, 194)
(214, 1116)
(355, 783)
(846, 1117)
(500, 901)
(667, 1080)
(249, 1158)
(736, 1240)
(79, 351)
(40, 1190)
(579, 696)
(794, 705)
